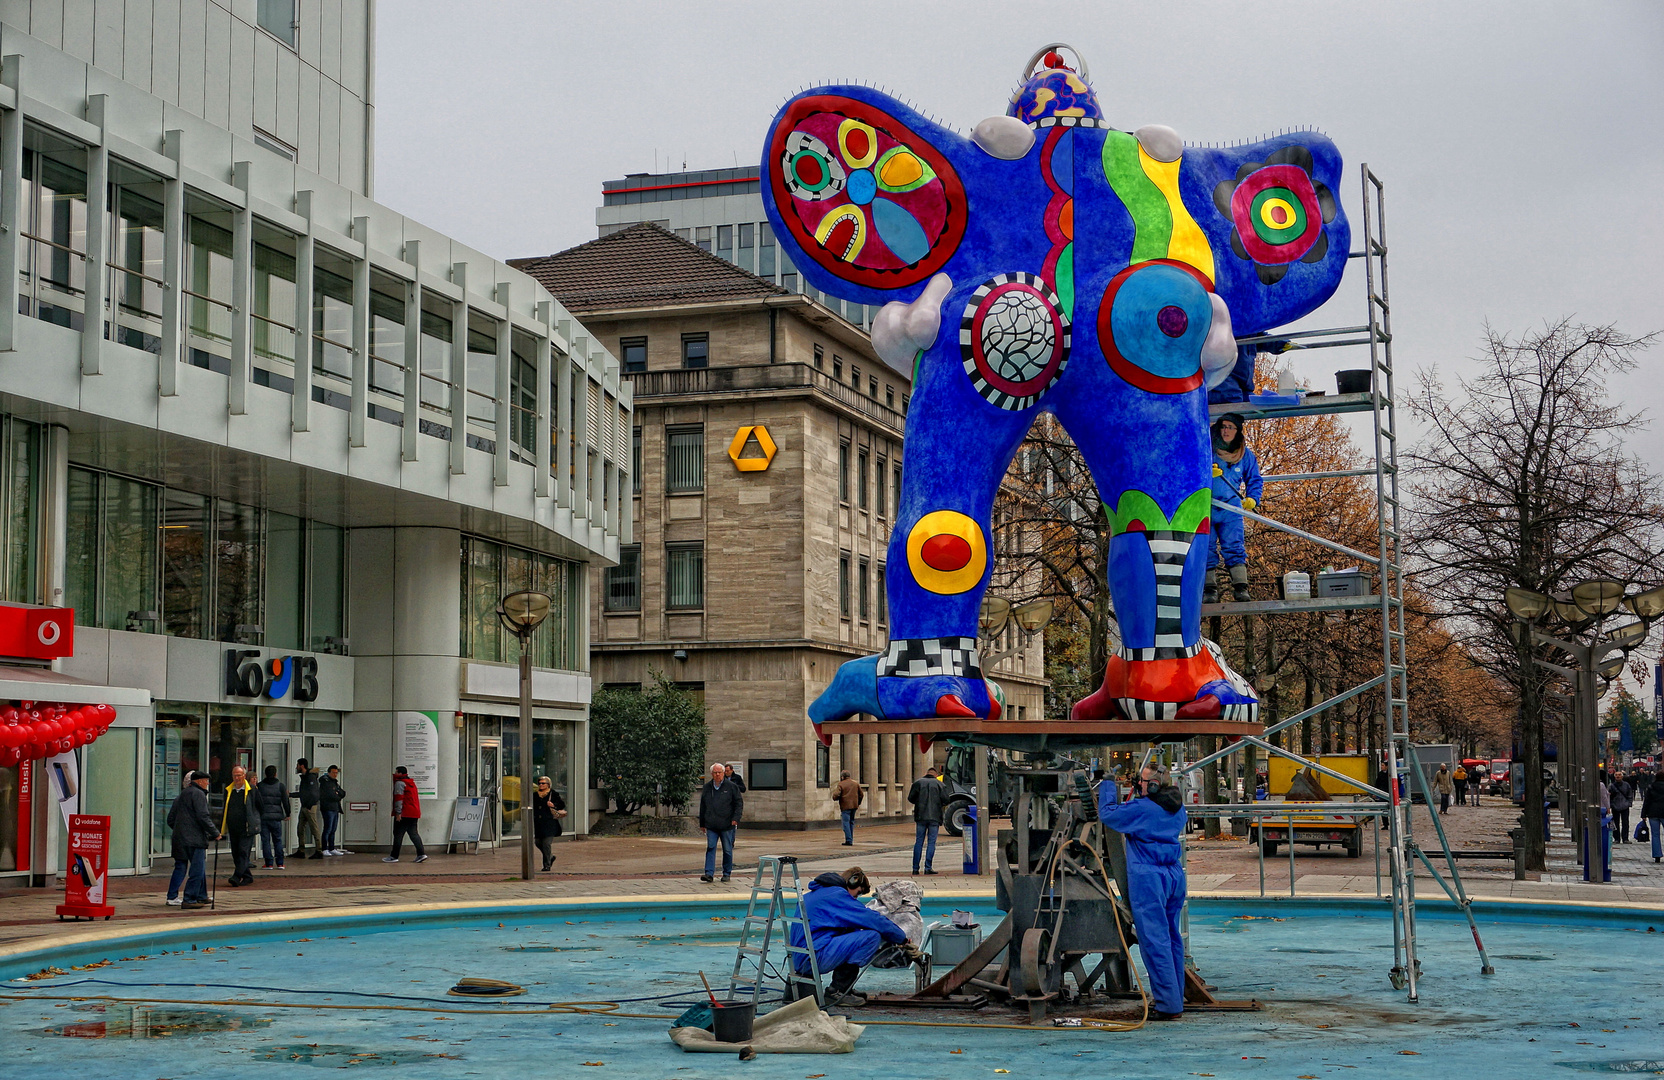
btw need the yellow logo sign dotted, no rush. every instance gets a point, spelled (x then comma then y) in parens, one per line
(751, 464)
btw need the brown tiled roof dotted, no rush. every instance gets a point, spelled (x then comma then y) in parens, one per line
(642, 266)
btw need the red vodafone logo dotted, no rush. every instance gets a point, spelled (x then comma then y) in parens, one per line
(36, 633)
(48, 632)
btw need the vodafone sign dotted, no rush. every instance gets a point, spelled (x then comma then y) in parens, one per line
(36, 633)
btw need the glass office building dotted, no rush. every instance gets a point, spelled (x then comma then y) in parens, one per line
(281, 448)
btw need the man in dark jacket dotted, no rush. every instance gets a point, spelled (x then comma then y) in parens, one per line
(272, 801)
(1622, 796)
(847, 933)
(1152, 821)
(1652, 812)
(721, 805)
(310, 823)
(240, 823)
(928, 795)
(193, 830)
(330, 794)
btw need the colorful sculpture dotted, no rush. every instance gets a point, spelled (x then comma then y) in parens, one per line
(1098, 274)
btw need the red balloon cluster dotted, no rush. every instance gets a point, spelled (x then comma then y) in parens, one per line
(39, 729)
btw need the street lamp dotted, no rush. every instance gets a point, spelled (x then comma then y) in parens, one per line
(1033, 615)
(1524, 603)
(992, 616)
(521, 614)
(1598, 597)
(1647, 605)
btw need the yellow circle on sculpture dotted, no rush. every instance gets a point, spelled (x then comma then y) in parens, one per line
(1277, 213)
(947, 552)
(900, 170)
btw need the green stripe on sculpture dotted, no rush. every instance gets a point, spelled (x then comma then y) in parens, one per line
(1152, 220)
(1065, 274)
(1137, 506)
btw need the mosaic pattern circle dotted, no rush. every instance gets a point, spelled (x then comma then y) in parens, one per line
(1014, 340)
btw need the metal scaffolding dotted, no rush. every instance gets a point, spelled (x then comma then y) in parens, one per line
(1393, 680)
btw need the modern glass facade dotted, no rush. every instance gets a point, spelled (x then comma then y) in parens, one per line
(490, 571)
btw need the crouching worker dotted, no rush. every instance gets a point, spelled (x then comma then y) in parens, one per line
(1152, 820)
(847, 934)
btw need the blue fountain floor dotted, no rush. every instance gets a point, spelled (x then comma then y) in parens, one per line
(1575, 995)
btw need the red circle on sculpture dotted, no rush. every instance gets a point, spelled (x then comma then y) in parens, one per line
(946, 552)
(808, 169)
(857, 143)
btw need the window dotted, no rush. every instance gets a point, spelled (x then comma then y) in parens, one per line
(634, 351)
(881, 496)
(696, 350)
(843, 585)
(110, 551)
(865, 600)
(685, 459)
(765, 251)
(843, 472)
(725, 242)
(685, 575)
(280, 19)
(788, 275)
(765, 774)
(872, 388)
(906, 399)
(184, 574)
(748, 247)
(702, 237)
(855, 377)
(489, 572)
(820, 357)
(635, 462)
(889, 396)
(883, 599)
(275, 145)
(861, 479)
(622, 589)
(837, 368)
(895, 492)
(823, 765)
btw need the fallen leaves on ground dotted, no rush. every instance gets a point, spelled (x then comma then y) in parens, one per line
(44, 973)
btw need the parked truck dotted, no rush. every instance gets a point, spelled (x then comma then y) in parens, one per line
(1289, 782)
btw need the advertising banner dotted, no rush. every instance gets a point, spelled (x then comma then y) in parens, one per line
(1658, 699)
(416, 747)
(87, 876)
(467, 820)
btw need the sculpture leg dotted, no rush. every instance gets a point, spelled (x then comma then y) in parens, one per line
(940, 556)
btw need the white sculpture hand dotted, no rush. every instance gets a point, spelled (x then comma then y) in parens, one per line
(1219, 350)
(901, 331)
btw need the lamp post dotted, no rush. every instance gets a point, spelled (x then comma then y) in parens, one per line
(1595, 662)
(521, 614)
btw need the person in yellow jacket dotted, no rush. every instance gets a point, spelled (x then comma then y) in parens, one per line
(240, 823)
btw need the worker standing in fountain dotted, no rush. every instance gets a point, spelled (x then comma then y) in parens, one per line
(1152, 820)
(1236, 481)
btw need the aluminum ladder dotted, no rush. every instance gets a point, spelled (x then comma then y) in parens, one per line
(785, 910)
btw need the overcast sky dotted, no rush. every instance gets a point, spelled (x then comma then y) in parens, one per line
(1522, 144)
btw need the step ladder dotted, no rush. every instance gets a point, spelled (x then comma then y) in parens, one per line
(785, 909)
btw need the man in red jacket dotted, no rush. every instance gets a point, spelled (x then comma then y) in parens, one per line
(407, 815)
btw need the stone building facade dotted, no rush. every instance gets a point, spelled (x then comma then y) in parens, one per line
(768, 441)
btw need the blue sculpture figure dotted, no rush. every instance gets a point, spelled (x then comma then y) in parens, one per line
(1093, 273)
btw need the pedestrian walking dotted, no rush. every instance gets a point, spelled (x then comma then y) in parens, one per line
(1652, 812)
(1460, 779)
(1622, 794)
(240, 823)
(721, 806)
(734, 777)
(330, 794)
(407, 815)
(309, 823)
(928, 796)
(548, 809)
(1445, 786)
(193, 830)
(848, 795)
(272, 800)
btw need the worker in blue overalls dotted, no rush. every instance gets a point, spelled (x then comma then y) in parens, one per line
(1152, 820)
(1236, 481)
(847, 934)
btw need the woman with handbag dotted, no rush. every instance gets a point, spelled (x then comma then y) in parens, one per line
(548, 808)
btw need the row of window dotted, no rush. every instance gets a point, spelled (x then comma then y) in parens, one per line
(158, 560)
(751, 247)
(490, 571)
(865, 588)
(696, 352)
(684, 578)
(855, 379)
(869, 488)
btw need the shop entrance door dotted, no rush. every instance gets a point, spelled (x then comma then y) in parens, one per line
(281, 751)
(491, 779)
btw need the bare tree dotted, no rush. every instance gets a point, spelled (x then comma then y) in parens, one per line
(1523, 479)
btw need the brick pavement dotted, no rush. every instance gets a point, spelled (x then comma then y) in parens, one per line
(660, 869)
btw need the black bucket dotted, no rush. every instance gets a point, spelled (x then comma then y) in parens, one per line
(731, 1020)
(1352, 382)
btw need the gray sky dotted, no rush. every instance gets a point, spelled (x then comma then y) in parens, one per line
(1522, 144)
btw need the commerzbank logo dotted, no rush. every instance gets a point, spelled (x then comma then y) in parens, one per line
(248, 675)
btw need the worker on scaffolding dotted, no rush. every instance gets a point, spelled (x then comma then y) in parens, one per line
(847, 934)
(1236, 482)
(1152, 820)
